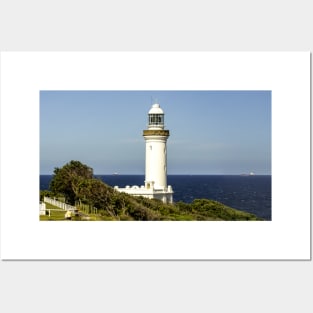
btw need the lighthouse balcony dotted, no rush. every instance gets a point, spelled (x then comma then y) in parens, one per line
(156, 132)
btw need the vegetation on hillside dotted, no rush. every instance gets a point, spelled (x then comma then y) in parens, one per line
(75, 183)
(66, 180)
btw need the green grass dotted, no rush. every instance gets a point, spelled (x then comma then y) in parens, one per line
(60, 215)
(54, 215)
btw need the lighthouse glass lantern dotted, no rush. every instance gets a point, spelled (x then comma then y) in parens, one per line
(156, 117)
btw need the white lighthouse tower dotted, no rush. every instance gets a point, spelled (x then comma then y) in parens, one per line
(156, 160)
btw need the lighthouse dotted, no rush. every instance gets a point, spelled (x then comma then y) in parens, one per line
(155, 185)
(156, 161)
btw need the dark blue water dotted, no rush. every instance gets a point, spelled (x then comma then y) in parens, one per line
(252, 194)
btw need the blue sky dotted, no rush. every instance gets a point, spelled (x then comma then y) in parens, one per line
(211, 132)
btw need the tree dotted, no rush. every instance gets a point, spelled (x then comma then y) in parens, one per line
(97, 194)
(67, 179)
(94, 192)
(45, 193)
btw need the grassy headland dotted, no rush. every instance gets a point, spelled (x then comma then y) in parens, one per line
(124, 207)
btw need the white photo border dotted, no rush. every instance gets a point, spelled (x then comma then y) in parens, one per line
(286, 237)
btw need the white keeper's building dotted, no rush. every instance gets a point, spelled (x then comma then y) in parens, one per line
(156, 160)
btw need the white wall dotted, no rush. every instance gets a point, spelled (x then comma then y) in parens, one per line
(156, 163)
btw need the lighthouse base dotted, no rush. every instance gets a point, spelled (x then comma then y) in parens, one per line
(163, 194)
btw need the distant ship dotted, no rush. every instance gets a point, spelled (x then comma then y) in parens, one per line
(115, 174)
(250, 174)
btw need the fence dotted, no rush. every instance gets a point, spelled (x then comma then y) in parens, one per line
(86, 208)
(42, 209)
(59, 204)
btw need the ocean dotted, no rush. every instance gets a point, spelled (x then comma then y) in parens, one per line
(252, 194)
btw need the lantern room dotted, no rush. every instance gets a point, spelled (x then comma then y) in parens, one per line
(156, 117)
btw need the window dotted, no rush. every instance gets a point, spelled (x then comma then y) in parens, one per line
(156, 119)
